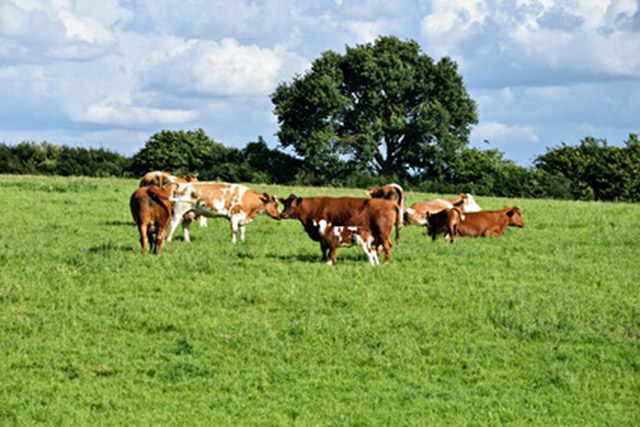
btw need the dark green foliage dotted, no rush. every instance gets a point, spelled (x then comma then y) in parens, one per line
(595, 170)
(50, 159)
(383, 107)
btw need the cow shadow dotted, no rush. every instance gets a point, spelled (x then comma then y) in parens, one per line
(297, 257)
(110, 247)
(117, 223)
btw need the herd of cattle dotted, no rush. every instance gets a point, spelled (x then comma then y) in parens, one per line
(162, 200)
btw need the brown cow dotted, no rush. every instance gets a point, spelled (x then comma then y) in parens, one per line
(346, 236)
(239, 204)
(162, 179)
(151, 210)
(490, 223)
(446, 221)
(378, 215)
(396, 194)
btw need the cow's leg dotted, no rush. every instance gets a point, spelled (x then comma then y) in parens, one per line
(324, 248)
(234, 228)
(242, 231)
(162, 233)
(386, 243)
(367, 248)
(332, 255)
(178, 213)
(203, 221)
(186, 222)
(142, 229)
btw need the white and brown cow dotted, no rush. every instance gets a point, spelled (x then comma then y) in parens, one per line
(163, 179)
(239, 204)
(346, 236)
(417, 213)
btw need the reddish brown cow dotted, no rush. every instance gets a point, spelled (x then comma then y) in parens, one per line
(396, 194)
(445, 221)
(151, 210)
(378, 215)
(490, 223)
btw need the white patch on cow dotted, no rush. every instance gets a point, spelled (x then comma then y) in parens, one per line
(353, 228)
(470, 204)
(410, 211)
(446, 203)
(322, 226)
(337, 231)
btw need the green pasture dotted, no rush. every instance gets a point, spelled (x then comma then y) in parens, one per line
(541, 326)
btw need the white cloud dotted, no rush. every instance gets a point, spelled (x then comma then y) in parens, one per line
(366, 32)
(122, 114)
(503, 132)
(228, 68)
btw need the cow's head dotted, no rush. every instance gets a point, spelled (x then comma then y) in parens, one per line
(270, 205)
(290, 206)
(515, 217)
(375, 192)
(191, 178)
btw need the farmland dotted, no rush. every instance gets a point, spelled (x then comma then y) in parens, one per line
(541, 325)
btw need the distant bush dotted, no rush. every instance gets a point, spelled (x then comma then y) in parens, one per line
(592, 170)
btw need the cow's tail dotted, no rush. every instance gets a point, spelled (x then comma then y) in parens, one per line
(159, 196)
(400, 214)
(399, 220)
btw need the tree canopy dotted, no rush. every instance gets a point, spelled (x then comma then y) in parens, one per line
(383, 107)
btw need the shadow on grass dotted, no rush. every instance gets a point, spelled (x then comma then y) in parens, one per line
(110, 247)
(297, 257)
(117, 223)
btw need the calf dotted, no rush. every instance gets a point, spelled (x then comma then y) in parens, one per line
(396, 194)
(445, 221)
(346, 236)
(378, 215)
(151, 210)
(490, 223)
(239, 204)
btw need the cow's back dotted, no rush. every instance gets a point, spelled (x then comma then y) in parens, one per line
(483, 223)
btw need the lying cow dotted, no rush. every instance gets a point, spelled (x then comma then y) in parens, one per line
(163, 179)
(445, 221)
(151, 210)
(239, 204)
(490, 223)
(378, 215)
(346, 236)
(417, 213)
(392, 192)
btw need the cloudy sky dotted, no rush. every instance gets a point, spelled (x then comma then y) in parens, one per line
(110, 73)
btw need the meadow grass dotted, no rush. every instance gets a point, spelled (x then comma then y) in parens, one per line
(541, 326)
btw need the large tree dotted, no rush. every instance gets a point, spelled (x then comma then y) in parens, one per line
(385, 107)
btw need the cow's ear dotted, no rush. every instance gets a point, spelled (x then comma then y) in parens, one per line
(510, 213)
(298, 200)
(368, 192)
(505, 207)
(264, 198)
(283, 201)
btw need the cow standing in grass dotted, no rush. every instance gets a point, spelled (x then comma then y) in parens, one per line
(377, 215)
(396, 194)
(151, 210)
(445, 221)
(346, 236)
(239, 204)
(163, 179)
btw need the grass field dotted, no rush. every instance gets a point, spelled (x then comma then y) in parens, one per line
(541, 326)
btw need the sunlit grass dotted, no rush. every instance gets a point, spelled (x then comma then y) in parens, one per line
(541, 325)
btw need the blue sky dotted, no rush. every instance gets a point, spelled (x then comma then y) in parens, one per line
(110, 73)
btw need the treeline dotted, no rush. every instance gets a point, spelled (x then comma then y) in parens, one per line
(591, 170)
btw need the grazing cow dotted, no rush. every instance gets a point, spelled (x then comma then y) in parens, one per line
(378, 215)
(151, 210)
(346, 236)
(396, 194)
(237, 203)
(163, 179)
(445, 221)
(490, 223)
(417, 213)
